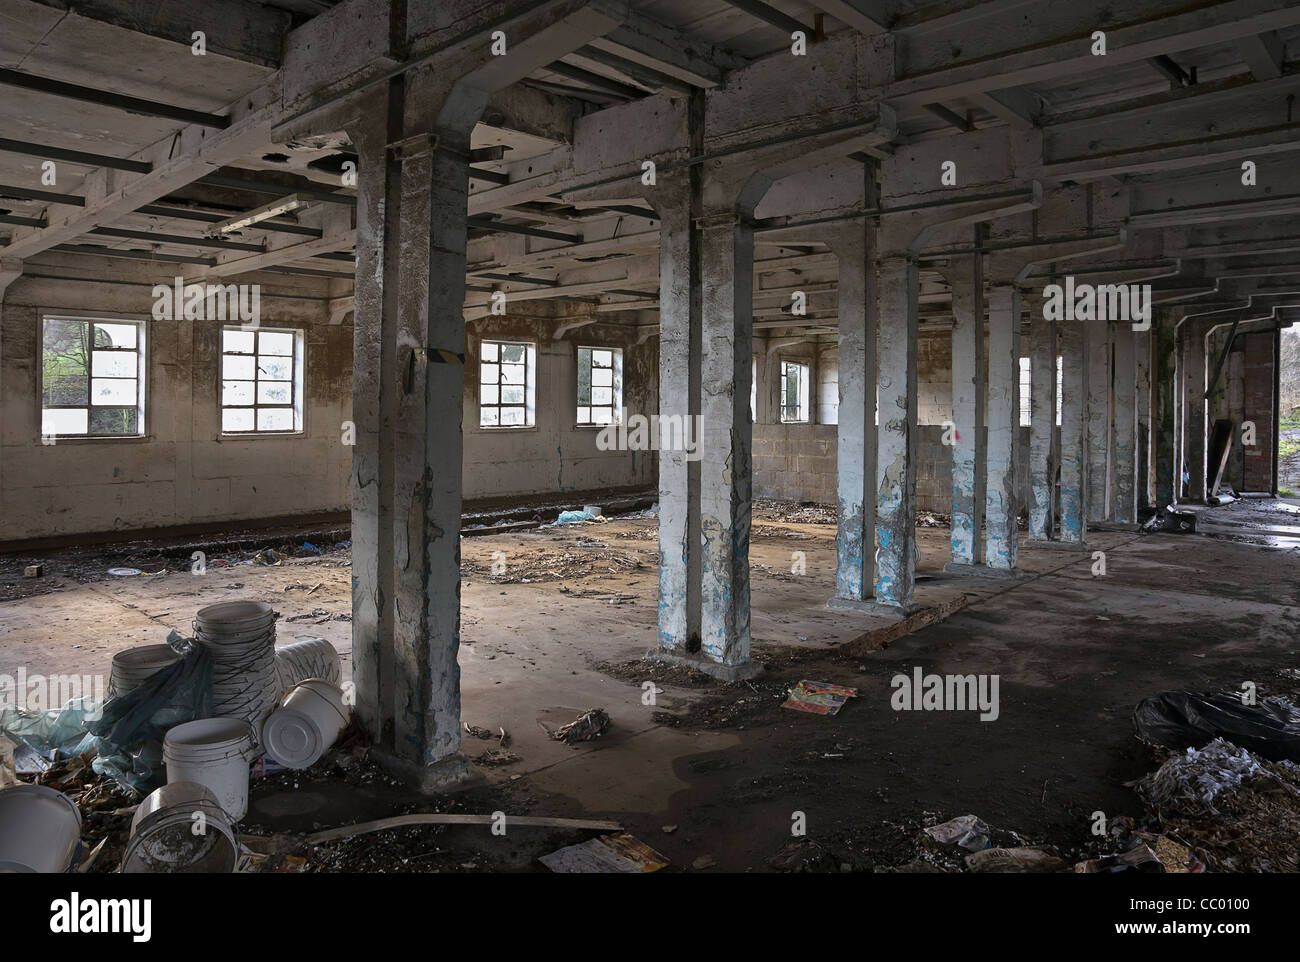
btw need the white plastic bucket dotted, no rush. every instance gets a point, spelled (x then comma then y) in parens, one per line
(214, 752)
(133, 667)
(164, 837)
(310, 658)
(306, 724)
(39, 829)
(240, 635)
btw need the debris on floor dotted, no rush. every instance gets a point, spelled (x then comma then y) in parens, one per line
(34, 571)
(965, 831)
(818, 698)
(588, 726)
(1017, 860)
(1187, 719)
(609, 853)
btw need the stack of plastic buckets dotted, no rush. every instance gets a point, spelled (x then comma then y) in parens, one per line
(241, 638)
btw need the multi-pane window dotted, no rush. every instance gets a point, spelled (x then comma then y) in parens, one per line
(92, 378)
(794, 391)
(506, 384)
(261, 381)
(600, 385)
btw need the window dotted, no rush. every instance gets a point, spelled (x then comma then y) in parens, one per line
(794, 391)
(507, 374)
(1026, 392)
(261, 381)
(600, 385)
(92, 382)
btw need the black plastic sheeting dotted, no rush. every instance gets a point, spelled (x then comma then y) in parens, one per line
(1188, 719)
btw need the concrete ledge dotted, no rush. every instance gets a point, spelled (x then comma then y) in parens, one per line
(984, 571)
(873, 608)
(452, 773)
(745, 670)
(1057, 545)
(1114, 526)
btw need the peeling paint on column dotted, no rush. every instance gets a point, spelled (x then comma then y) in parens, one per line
(1003, 506)
(965, 277)
(1042, 424)
(1074, 415)
(896, 488)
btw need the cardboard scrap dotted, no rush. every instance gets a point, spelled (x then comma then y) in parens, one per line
(818, 697)
(609, 853)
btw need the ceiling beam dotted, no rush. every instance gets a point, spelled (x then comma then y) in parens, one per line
(238, 29)
(771, 16)
(50, 197)
(670, 51)
(73, 156)
(1264, 54)
(105, 98)
(868, 17)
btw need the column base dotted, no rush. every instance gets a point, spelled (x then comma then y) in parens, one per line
(745, 670)
(983, 571)
(452, 773)
(873, 608)
(1114, 526)
(1056, 545)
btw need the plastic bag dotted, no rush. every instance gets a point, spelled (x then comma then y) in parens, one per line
(1188, 719)
(130, 732)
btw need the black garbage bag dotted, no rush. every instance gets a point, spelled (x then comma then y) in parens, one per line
(132, 726)
(1189, 719)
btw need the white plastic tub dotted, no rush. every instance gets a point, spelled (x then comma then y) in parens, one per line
(181, 827)
(39, 829)
(133, 667)
(306, 724)
(214, 752)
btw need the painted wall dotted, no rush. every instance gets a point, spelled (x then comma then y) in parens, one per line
(185, 473)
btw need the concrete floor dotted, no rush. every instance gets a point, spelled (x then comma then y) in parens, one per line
(562, 629)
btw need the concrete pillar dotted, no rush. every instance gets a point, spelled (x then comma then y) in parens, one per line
(408, 383)
(899, 289)
(1193, 373)
(1164, 434)
(855, 570)
(1099, 421)
(706, 358)
(1074, 431)
(1003, 510)
(680, 355)
(1124, 504)
(966, 278)
(1043, 449)
(726, 439)
(1142, 341)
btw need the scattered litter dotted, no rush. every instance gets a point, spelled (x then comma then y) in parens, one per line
(269, 556)
(495, 757)
(1190, 782)
(588, 726)
(1140, 858)
(34, 571)
(668, 829)
(818, 697)
(965, 831)
(437, 818)
(578, 517)
(703, 862)
(124, 572)
(308, 549)
(1023, 860)
(475, 731)
(1185, 719)
(609, 853)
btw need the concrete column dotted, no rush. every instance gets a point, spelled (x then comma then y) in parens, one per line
(966, 278)
(726, 439)
(896, 461)
(1142, 341)
(1074, 431)
(706, 363)
(680, 354)
(1164, 435)
(1043, 450)
(1193, 371)
(1099, 421)
(1001, 543)
(855, 570)
(1124, 505)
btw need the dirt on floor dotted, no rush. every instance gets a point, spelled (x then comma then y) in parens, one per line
(719, 776)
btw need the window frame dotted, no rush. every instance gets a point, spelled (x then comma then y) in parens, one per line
(142, 378)
(530, 385)
(616, 386)
(805, 403)
(298, 383)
